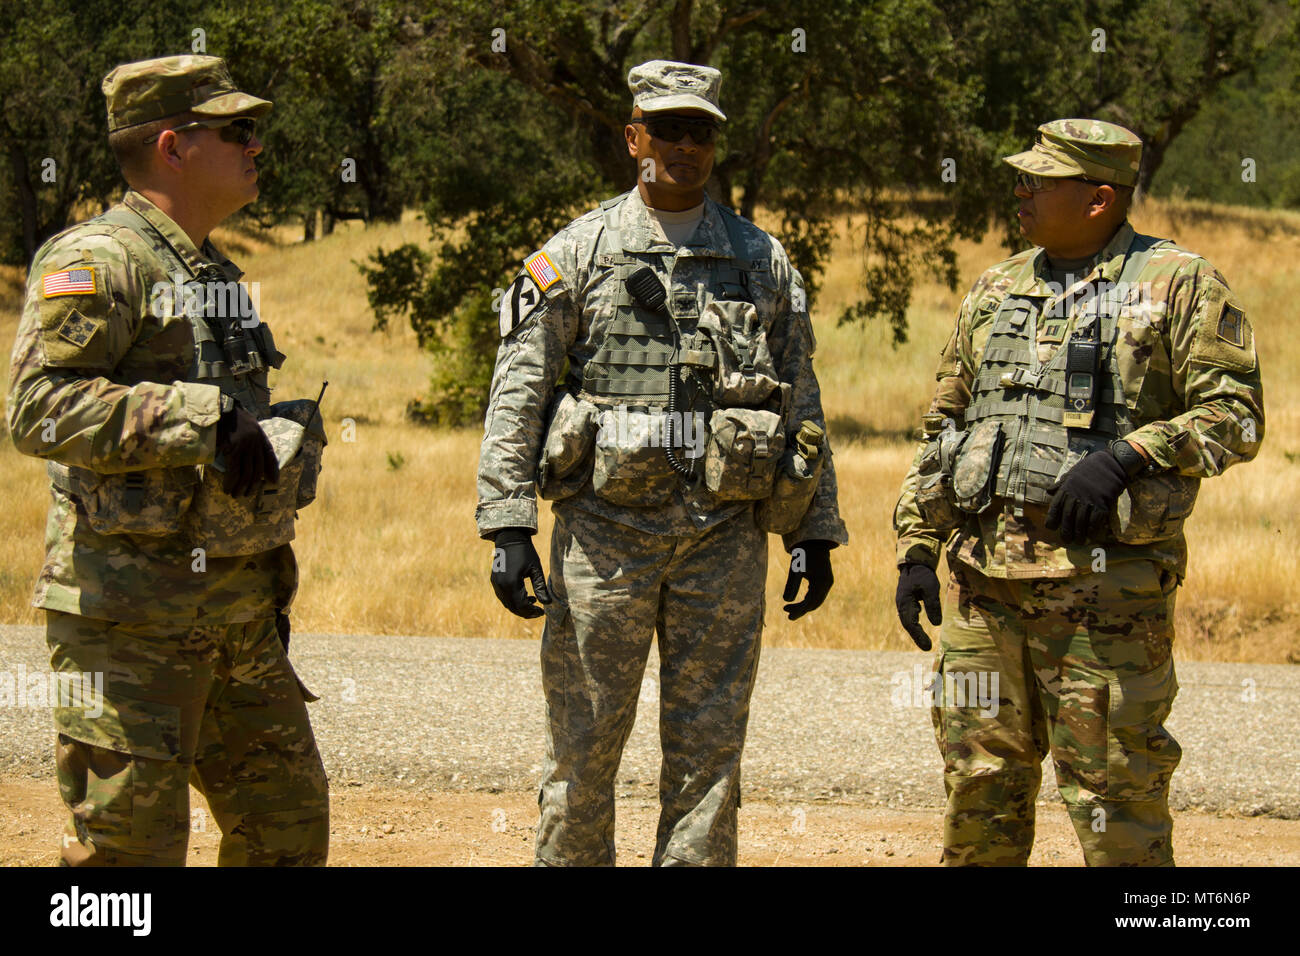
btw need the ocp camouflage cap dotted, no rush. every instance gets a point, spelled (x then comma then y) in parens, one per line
(666, 85)
(152, 89)
(1083, 147)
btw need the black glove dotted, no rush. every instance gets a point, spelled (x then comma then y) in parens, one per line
(250, 459)
(515, 559)
(282, 628)
(817, 569)
(917, 583)
(1082, 499)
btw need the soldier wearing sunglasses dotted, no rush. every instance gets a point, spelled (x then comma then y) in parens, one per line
(140, 376)
(688, 427)
(1091, 382)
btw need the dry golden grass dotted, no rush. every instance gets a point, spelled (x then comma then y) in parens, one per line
(390, 546)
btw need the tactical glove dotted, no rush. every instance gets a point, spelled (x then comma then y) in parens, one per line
(515, 559)
(817, 569)
(918, 583)
(250, 460)
(1083, 497)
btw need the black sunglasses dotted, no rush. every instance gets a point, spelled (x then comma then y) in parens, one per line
(238, 130)
(671, 129)
(1041, 184)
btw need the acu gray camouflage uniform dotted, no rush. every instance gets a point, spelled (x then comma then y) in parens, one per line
(644, 553)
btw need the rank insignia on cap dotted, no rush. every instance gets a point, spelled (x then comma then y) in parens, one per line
(77, 329)
(542, 269)
(78, 281)
(1231, 326)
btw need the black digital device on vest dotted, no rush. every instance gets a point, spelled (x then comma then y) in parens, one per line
(1081, 363)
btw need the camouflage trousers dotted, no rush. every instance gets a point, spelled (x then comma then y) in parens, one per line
(1084, 670)
(219, 707)
(614, 588)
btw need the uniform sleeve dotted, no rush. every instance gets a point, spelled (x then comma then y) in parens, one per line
(792, 343)
(538, 325)
(1214, 379)
(917, 542)
(83, 312)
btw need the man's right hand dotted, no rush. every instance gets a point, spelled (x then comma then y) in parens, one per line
(917, 583)
(514, 560)
(250, 459)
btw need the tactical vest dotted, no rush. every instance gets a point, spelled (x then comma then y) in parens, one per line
(1030, 403)
(631, 365)
(726, 383)
(167, 501)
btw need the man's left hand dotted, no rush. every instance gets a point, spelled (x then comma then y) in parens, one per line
(1083, 498)
(811, 560)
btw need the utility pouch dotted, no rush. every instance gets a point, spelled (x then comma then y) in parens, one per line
(743, 452)
(225, 526)
(1153, 508)
(746, 375)
(792, 494)
(935, 498)
(149, 502)
(565, 462)
(630, 467)
(304, 412)
(975, 466)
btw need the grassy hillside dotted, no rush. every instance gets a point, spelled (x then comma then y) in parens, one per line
(390, 547)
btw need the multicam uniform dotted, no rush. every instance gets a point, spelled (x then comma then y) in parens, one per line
(1080, 635)
(634, 551)
(153, 576)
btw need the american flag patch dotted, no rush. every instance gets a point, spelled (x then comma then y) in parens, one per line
(68, 282)
(543, 270)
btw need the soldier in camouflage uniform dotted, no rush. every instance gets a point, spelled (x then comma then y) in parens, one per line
(1090, 383)
(684, 330)
(140, 374)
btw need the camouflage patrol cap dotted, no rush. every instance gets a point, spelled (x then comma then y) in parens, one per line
(665, 85)
(152, 89)
(1083, 147)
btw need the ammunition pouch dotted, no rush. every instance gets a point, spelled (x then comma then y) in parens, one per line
(565, 462)
(745, 375)
(975, 466)
(630, 466)
(150, 502)
(743, 453)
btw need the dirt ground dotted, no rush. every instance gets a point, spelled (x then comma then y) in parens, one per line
(374, 826)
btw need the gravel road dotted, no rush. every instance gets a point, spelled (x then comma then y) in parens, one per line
(466, 713)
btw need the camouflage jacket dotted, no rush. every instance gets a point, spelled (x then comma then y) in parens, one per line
(571, 321)
(1191, 385)
(100, 382)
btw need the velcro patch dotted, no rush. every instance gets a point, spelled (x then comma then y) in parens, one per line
(521, 300)
(542, 269)
(76, 328)
(1232, 325)
(79, 280)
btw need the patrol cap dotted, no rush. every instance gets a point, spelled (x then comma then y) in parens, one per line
(666, 85)
(152, 89)
(1083, 147)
